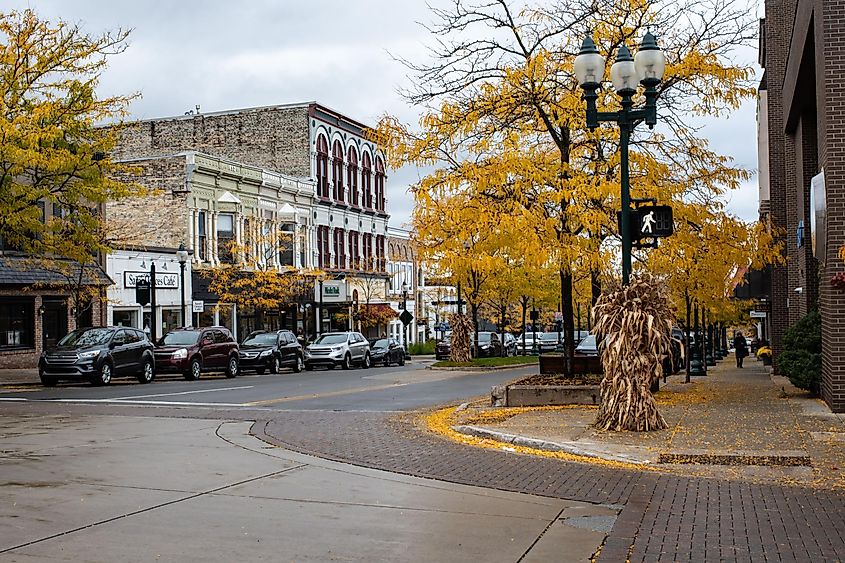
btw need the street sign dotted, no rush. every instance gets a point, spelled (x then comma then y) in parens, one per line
(758, 314)
(142, 291)
(198, 306)
(406, 318)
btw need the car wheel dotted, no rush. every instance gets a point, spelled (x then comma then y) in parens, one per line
(275, 366)
(366, 363)
(194, 370)
(147, 373)
(402, 360)
(48, 380)
(387, 361)
(232, 369)
(297, 367)
(103, 377)
(347, 361)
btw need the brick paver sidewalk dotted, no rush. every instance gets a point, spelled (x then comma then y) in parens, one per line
(665, 517)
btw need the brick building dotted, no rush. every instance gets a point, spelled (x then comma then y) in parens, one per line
(802, 49)
(338, 211)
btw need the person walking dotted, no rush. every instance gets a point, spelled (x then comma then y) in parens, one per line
(741, 348)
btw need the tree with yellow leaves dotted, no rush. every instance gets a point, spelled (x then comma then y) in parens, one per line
(505, 126)
(53, 152)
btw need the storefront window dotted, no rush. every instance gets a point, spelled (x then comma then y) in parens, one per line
(17, 323)
(170, 319)
(125, 318)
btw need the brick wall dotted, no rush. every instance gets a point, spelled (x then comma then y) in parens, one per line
(160, 219)
(275, 138)
(832, 302)
(779, 21)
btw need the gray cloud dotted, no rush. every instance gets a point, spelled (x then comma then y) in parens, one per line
(223, 55)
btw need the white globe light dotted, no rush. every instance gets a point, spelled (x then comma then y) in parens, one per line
(650, 60)
(623, 73)
(589, 64)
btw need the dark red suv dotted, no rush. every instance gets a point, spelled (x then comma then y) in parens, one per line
(191, 351)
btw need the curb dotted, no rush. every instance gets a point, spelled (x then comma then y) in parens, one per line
(537, 444)
(479, 368)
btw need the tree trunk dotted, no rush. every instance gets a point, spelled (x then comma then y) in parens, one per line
(474, 307)
(595, 287)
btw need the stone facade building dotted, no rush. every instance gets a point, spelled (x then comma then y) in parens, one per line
(804, 106)
(304, 165)
(403, 268)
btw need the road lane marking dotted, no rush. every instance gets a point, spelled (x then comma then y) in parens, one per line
(181, 393)
(322, 395)
(122, 402)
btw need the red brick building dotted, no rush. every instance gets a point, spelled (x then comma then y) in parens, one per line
(803, 52)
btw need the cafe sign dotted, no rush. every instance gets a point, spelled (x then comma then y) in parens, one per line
(163, 280)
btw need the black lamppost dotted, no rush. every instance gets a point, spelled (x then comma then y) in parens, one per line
(405, 308)
(708, 327)
(460, 309)
(647, 68)
(696, 366)
(182, 256)
(153, 321)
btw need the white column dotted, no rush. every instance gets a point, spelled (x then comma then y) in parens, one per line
(189, 240)
(195, 239)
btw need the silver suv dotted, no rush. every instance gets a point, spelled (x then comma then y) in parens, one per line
(333, 349)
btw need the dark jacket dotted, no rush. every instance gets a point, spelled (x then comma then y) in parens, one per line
(741, 346)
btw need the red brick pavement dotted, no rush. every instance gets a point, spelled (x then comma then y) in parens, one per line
(665, 517)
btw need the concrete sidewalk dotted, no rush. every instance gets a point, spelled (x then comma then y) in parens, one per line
(16, 377)
(741, 422)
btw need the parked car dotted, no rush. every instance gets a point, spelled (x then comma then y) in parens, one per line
(489, 344)
(192, 351)
(334, 349)
(538, 342)
(387, 351)
(510, 344)
(98, 355)
(443, 348)
(588, 346)
(265, 350)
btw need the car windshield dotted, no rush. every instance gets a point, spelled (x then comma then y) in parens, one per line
(588, 343)
(483, 336)
(262, 338)
(331, 339)
(179, 338)
(87, 337)
(380, 343)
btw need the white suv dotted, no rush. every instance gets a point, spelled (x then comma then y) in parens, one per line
(333, 349)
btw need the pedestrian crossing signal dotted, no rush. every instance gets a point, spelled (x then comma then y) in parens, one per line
(651, 221)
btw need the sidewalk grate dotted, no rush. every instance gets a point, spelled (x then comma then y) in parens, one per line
(783, 458)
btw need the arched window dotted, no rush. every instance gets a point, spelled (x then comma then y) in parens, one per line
(366, 181)
(322, 167)
(352, 176)
(379, 184)
(337, 171)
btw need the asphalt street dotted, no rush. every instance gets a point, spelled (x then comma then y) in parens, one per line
(124, 488)
(375, 389)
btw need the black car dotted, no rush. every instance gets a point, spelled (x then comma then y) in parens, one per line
(387, 351)
(443, 348)
(271, 351)
(98, 354)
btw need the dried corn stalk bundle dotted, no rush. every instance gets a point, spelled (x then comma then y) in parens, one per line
(461, 347)
(633, 328)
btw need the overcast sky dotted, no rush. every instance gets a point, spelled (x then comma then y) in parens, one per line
(221, 55)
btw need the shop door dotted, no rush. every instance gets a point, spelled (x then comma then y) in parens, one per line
(54, 322)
